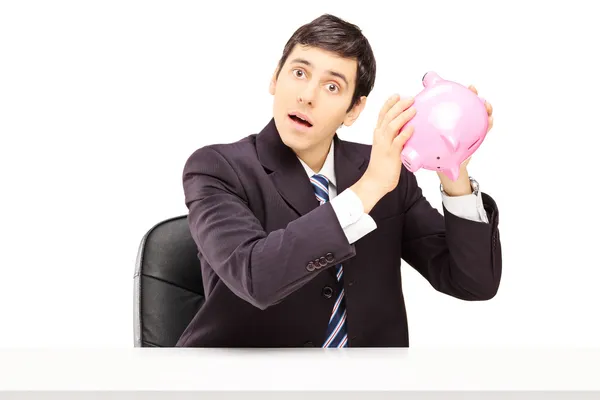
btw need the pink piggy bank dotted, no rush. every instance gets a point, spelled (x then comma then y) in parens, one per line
(450, 124)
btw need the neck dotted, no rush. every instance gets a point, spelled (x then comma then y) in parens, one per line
(315, 157)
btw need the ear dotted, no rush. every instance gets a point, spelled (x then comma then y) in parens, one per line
(353, 114)
(273, 83)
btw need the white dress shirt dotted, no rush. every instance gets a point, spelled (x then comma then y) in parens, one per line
(356, 223)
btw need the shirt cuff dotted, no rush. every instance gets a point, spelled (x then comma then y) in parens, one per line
(350, 213)
(348, 207)
(366, 224)
(469, 206)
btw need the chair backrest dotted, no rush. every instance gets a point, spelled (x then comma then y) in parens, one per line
(168, 287)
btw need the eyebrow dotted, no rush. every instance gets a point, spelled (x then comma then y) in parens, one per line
(308, 63)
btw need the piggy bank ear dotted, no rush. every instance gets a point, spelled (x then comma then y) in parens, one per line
(453, 173)
(450, 142)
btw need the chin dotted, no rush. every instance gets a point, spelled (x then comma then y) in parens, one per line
(288, 135)
(294, 142)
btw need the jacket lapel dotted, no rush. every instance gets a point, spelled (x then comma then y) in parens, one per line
(285, 170)
(288, 175)
(350, 165)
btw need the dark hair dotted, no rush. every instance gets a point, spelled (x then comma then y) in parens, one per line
(333, 34)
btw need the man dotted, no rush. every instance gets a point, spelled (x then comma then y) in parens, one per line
(300, 235)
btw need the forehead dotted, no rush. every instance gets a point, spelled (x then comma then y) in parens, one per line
(325, 62)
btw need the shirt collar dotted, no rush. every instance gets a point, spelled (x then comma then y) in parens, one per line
(327, 170)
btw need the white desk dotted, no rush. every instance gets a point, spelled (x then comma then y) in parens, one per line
(326, 371)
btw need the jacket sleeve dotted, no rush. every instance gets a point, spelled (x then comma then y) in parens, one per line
(458, 256)
(258, 267)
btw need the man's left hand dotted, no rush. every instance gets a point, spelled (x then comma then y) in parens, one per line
(462, 185)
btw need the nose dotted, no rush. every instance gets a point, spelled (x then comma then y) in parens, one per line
(302, 99)
(307, 96)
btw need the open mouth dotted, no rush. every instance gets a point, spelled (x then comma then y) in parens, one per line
(300, 121)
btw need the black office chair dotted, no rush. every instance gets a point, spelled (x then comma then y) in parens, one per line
(168, 287)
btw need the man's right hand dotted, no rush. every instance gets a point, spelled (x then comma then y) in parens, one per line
(383, 173)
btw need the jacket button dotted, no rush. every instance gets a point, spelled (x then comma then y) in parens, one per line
(329, 257)
(310, 266)
(327, 292)
(322, 261)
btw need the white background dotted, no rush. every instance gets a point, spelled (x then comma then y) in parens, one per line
(102, 102)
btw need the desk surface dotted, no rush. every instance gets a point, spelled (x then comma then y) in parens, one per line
(303, 369)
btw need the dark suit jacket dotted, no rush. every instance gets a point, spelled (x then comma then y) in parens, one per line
(267, 249)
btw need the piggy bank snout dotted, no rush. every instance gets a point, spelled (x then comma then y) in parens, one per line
(411, 158)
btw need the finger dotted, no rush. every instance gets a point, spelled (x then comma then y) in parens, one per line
(466, 162)
(402, 138)
(386, 107)
(472, 89)
(396, 110)
(398, 123)
(489, 108)
(490, 123)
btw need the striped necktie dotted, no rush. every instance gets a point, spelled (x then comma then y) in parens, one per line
(336, 330)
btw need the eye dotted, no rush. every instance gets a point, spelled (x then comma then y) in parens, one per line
(333, 88)
(298, 73)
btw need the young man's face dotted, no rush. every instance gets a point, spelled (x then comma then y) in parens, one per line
(318, 86)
